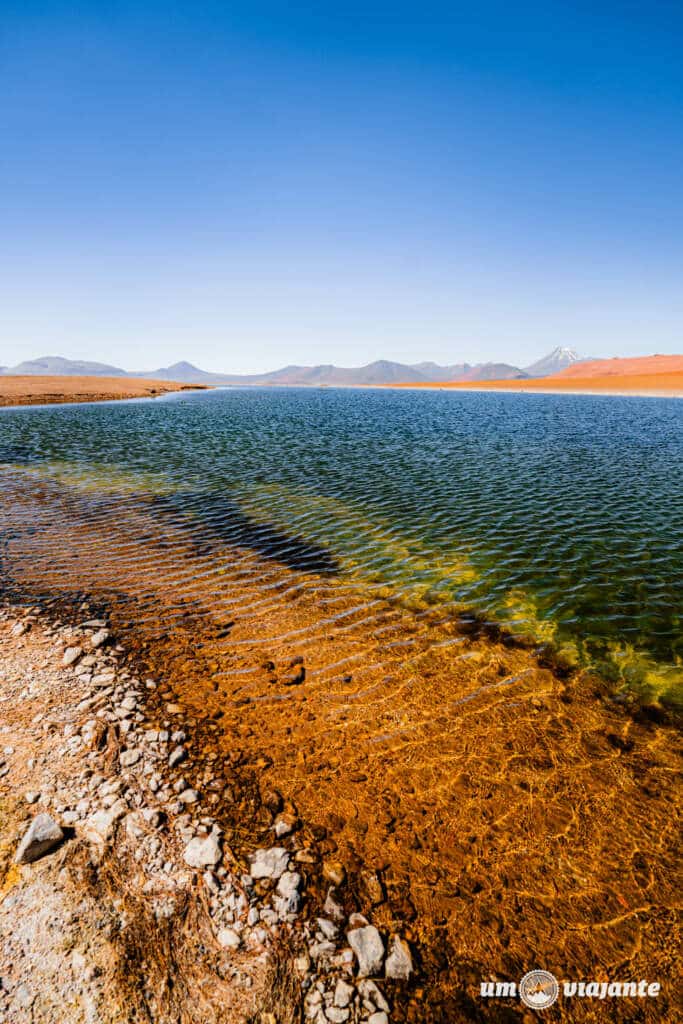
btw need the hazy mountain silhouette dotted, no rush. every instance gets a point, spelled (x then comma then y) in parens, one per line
(382, 371)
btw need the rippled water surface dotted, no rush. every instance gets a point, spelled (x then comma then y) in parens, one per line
(557, 516)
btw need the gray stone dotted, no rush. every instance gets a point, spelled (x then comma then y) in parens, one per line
(399, 962)
(371, 995)
(99, 827)
(369, 949)
(289, 883)
(176, 757)
(129, 757)
(336, 1014)
(71, 656)
(270, 863)
(332, 908)
(202, 853)
(42, 836)
(343, 993)
(99, 638)
(327, 927)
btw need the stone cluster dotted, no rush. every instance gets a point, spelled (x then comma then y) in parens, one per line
(147, 801)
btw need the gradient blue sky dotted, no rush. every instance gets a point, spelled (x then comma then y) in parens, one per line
(246, 186)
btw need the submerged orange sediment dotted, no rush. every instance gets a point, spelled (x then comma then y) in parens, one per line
(512, 817)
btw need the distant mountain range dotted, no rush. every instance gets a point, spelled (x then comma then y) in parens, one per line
(380, 372)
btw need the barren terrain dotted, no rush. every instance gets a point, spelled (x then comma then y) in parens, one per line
(36, 390)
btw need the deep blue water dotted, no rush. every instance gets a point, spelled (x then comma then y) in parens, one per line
(556, 515)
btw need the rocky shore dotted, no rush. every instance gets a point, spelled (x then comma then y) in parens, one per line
(121, 897)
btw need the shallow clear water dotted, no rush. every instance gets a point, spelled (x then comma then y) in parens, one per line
(558, 516)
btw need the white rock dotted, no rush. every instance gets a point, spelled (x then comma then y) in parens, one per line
(128, 758)
(336, 1015)
(379, 1018)
(369, 949)
(332, 908)
(372, 996)
(31, 798)
(99, 638)
(289, 883)
(176, 757)
(229, 938)
(270, 863)
(71, 655)
(327, 927)
(42, 836)
(99, 827)
(202, 853)
(399, 962)
(343, 993)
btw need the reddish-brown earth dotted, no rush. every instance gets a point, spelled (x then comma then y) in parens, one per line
(647, 375)
(37, 390)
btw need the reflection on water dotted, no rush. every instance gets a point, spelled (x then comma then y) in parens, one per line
(560, 517)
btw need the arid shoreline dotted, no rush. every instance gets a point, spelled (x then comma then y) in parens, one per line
(651, 386)
(37, 390)
(174, 921)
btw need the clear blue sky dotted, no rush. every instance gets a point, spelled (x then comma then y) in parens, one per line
(250, 185)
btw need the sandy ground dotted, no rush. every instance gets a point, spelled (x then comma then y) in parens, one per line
(662, 385)
(36, 390)
(655, 376)
(639, 366)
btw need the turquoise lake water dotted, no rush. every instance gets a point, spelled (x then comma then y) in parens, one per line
(559, 517)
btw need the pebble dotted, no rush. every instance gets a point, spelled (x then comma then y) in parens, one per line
(334, 872)
(71, 656)
(99, 638)
(336, 1015)
(343, 993)
(372, 996)
(42, 836)
(369, 949)
(202, 853)
(399, 962)
(99, 827)
(177, 757)
(129, 757)
(270, 863)
(229, 939)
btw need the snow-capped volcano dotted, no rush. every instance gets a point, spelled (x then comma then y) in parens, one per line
(558, 359)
